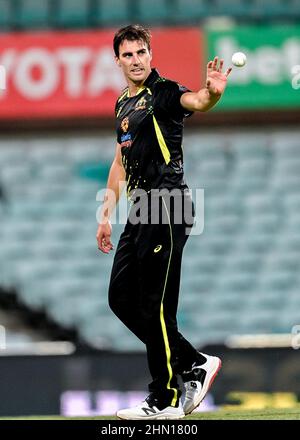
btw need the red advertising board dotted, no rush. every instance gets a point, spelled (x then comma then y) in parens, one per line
(73, 74)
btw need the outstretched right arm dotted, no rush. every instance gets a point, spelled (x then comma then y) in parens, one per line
(114, 187)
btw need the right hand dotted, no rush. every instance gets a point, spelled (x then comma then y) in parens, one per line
(103, 237)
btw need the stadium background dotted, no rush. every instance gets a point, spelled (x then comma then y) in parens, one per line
(62, 350)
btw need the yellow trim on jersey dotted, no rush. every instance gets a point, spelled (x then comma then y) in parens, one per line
(123, 95)
(162, 320)
(126, 92)
(119, 111)
(141, 89)
(119, 100)
(137, 93)
(162, 143)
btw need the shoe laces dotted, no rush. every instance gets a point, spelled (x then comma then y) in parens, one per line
(195, 375)
(151, 400)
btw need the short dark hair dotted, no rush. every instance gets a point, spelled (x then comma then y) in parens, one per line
(132, 32)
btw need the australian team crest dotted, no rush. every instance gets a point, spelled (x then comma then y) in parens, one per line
(125, 124)
(141, 104)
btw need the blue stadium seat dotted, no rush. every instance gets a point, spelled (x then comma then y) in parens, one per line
(293, 9)
(250, 241)
(232, 8)
(72, 311)
(192, 10)
(292, 203)
(33, 14)
(267, 9)
(104, 331)
(289, 241)
(223, 298)
(72, 13)
(108, 12)
(235, 282)
(257, 321)
(157, 12)
(242, 262)
(6, 15)
(288, 317)
(285, 146)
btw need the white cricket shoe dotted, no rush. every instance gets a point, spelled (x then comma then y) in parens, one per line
(147, 411)
(198, 381)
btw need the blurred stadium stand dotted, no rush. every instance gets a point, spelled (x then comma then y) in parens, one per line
(66, 14)
(239, 276)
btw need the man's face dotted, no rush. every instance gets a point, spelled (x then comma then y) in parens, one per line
(134, 59)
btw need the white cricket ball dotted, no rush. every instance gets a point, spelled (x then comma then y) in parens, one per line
(239, 59)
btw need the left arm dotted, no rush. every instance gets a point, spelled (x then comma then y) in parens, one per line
(207, 97)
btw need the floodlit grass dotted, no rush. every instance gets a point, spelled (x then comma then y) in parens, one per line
(261, 414)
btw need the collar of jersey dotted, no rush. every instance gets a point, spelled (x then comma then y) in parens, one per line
(148, 82)
(154, 75)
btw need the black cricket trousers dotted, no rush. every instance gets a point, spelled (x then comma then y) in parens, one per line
(145, 281)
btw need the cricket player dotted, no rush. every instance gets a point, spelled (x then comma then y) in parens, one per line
(145, 277)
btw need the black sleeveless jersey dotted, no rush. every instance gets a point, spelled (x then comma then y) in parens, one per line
(149, 129)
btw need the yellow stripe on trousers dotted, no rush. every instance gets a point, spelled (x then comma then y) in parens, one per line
(162, 320)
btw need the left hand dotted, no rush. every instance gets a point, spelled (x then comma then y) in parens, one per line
(216, 80)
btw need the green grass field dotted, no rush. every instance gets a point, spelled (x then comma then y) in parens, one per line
(261, 414)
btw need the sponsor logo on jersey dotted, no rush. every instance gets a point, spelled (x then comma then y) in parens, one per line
(126, 140)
